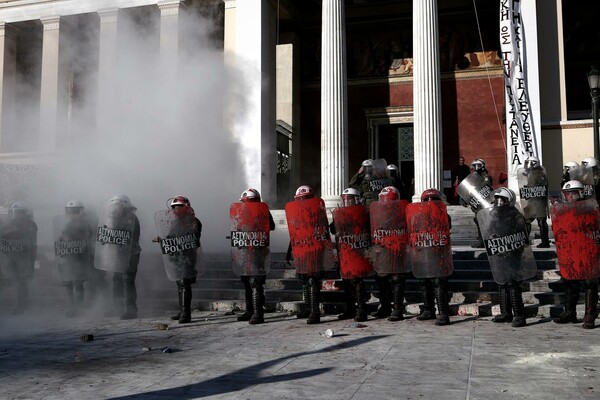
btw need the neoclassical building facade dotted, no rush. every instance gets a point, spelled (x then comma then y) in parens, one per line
(327, 83)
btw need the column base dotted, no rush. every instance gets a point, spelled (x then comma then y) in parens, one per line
(332, 201)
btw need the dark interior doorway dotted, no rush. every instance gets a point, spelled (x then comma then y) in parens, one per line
(395, 143)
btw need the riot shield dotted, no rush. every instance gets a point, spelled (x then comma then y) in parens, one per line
(509, 252)
(353, 241)
(18, 246)
(429, 248)
(475, 192)
(73, 241)
(114, 238)
(389, 237)
(533, 191)
(309, 235)
(587, 178)
(250, 235)
(179, 243)
(576, 228)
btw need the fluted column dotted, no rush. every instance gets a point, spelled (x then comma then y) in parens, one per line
(51, 89)
(334, 107)
(8, 77)
(107, 62)
(427, 97)
(169, 28)
(254, 55)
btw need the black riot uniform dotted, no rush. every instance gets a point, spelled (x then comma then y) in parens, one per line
(533, 185)
(435, 289)
(180, 264)
(351, 227)
(582, 272)
(479, 167)
(253, 281)
(313, 254)
(124, 289)
(18, 234)
(74, 238)
(509, 254)
(369, 182)
(388, 233)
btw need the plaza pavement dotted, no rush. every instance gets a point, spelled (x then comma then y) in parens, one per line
(215, 357)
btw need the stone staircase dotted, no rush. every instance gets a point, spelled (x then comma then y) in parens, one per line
(471, 286)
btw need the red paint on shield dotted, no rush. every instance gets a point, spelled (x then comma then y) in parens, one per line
(353, 241)
(429, 239)
(250, 236)
(309, 234)
(576, 228)
(389, 235)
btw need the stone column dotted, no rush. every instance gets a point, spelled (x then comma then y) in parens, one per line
(107, 63)
(334, 106)
(8, 77)
(427, 97)
(169, 29)
(254, 55)
(53, 88)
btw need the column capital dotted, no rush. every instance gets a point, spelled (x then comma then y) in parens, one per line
(171, 7)
(230, 3)
(8, 30)
(50, 23)
(108, 15)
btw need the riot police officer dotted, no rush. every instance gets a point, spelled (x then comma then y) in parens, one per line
(389, 236)
(590, 177)
(73, 246)
(18, 234)
(479, 167)
(397, 181)
(311, 246)
(118, 250)
(179, 236)
(510, 256)
(370, 180)
(571, 171)
(431, 252)
(351, 227)
(533, 185)
(251, 260)
(576, 229)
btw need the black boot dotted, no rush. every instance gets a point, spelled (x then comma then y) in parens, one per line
(175, 317)
(591, 304)
(571, 298)
(350, 300)
(361, 296)
(314, 296)
(398, 281)
(516, 300)
(385, 297)
(428, 300)
(186, 301)
(305, 310)
(249, 300)
(441, 298)
(543, 224)
(506, 314)
(258, 300)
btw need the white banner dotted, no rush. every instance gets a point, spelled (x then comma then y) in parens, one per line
(521, 136)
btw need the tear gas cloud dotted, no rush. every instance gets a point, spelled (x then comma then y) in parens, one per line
(152, 127)
(157, 129)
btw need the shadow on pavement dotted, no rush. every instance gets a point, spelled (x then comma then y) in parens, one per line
(245, 377)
